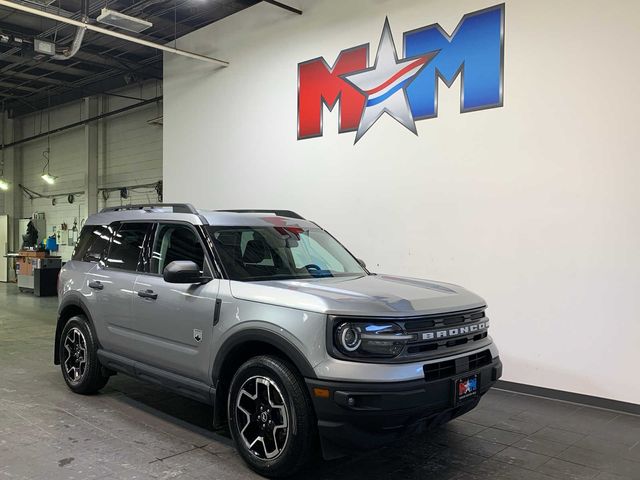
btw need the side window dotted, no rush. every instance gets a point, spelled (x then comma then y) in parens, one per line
(126, 246)
(92, 244)
(175, 242)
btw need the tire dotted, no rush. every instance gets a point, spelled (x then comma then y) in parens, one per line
(79, 358)
(288, 431)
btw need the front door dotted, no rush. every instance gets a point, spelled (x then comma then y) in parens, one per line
(175, 321)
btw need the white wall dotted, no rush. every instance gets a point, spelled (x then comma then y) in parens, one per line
(533, 205)
(129, 153)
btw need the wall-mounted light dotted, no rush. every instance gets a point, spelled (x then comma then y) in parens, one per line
(4, 185)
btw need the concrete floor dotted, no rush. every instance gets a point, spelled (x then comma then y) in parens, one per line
(137, 431)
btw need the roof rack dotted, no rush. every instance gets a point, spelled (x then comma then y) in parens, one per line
(177, 207)
(279, 213)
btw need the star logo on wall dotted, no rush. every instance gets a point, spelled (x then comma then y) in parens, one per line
(384, 85)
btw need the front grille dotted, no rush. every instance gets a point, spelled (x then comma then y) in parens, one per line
(449, 368)
(437, 335)
(446, 320)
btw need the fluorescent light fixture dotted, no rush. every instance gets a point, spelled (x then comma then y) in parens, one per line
(4, 185)
(120, 20)
(49, 178)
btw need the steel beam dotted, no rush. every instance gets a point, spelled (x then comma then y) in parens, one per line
(286, 7)
(81, 123)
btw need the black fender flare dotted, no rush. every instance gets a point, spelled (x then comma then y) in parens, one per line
(266, 336)
(71, 299)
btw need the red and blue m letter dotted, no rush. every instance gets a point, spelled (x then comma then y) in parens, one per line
(320, 85)
(474, 51)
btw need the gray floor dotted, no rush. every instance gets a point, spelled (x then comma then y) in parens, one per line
(136, 431)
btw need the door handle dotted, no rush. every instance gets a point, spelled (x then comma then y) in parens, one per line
(96, 285)
(148, 294)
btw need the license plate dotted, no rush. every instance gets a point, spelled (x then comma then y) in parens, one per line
(466, 387)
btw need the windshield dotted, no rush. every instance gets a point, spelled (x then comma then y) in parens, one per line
(278, 253)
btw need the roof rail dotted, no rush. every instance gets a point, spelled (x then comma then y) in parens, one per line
(279, 213)
(177, 207)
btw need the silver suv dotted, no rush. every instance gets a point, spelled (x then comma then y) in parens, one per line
(268, 318)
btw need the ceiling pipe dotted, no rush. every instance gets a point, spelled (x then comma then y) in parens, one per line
(111, 33)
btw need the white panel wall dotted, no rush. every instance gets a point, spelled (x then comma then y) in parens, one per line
(533, 205)
(129, 153)
(131, 149)
(67, 163)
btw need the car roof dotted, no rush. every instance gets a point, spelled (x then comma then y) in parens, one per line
(186, 213)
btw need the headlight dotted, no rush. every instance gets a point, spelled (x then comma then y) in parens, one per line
(370, 340)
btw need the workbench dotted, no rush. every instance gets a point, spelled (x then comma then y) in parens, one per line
(37, 272)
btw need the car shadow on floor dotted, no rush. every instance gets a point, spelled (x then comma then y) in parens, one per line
(417, 456)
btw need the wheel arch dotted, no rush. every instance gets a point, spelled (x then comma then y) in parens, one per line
(242, 346)
(70, 307)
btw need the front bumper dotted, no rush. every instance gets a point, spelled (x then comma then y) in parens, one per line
(369, 415)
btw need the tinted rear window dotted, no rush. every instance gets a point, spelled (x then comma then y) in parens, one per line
(92, 244)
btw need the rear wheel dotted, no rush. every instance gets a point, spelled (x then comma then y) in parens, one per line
(79, 358)
(271, 417)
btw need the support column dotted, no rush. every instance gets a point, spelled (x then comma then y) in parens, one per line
(103, 103)
(90, 109)
(13, 198)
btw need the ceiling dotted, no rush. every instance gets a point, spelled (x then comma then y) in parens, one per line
(31, 82)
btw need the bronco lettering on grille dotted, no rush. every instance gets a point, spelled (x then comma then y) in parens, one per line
(455, 332)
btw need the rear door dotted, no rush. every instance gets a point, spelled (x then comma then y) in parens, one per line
(85, 273)
(112, 283)
(175, 321)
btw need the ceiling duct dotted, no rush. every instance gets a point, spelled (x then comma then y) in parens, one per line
(125, 22)
(77, 41)
(75, 46)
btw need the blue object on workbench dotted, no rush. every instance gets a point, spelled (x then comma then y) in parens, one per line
(52, 244)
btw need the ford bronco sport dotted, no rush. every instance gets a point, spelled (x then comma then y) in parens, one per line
(266, 317)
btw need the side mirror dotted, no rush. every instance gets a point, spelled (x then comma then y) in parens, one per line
(183, 271)
(362, 264)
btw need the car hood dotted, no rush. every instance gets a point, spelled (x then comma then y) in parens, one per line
(371, 295)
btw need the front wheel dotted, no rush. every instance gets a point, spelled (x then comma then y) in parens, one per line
(271, 417)
(79, 357)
